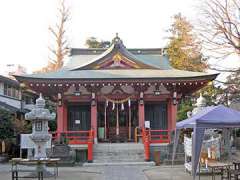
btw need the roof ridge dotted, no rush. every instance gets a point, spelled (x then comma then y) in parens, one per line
(117, 47)
(95, 51)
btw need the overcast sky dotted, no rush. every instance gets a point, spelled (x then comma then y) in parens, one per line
(24, 35)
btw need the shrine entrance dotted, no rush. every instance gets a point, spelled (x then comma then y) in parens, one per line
(116, 122)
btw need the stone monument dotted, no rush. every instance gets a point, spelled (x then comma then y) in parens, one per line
(40, 117)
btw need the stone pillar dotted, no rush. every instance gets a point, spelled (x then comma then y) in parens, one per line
(94, 119)
(141, 114)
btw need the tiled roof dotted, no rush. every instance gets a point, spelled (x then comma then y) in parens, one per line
(120, 74)
(152, 63)
(9, 81)
(8, 107)
(147, 58)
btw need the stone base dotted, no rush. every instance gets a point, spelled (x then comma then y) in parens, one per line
(62, 151)
(162, 154)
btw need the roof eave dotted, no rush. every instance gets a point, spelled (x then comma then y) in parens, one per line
(209, 77)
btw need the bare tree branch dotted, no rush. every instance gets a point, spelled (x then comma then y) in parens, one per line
(220, 26)
(58, 31)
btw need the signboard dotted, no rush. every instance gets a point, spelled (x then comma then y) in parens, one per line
(147, 124)
(27, 143)
(77, 121)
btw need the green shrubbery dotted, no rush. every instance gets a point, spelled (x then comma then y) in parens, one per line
(6, 125)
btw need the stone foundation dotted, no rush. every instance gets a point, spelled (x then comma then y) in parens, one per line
(164, 152)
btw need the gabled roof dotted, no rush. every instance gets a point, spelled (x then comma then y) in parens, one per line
(98, 64)
(93, 58)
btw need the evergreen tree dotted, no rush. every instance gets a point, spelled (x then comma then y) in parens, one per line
(92, 42)
(6, 127)
(184, 50)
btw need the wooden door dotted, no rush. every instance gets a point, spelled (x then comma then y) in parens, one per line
(157, 115)
(79, 117)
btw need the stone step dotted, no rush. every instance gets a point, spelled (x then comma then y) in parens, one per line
(118, 152)
(151, 163)
(117, 160)
(120, 159)
(124, 146)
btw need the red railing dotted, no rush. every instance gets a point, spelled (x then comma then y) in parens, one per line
(72, 137)
(77, 137)
(146, 143)
(159, 136)
(150, 136)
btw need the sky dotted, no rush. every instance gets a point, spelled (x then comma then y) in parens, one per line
(25, 38)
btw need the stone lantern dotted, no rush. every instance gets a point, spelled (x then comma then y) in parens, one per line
(40, 117)
(200, 105)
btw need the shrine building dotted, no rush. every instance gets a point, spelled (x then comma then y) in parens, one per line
(117, 92)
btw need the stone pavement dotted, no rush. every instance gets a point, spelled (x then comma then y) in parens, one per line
(123, 173)
(172, 173)
(116, 173)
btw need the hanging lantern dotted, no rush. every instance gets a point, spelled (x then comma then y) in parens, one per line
(174, 98)
(113, 106)
(122, 106)
(129, 102)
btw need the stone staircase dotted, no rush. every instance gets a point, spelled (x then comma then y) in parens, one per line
(119, 154)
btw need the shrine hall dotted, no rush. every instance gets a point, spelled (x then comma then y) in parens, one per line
(116, 92)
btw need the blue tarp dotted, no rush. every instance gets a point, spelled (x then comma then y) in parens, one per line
(210, 117)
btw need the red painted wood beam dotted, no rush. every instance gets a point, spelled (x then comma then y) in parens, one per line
(60, 116)
(172, 115)
(141, 115)
(94, 120)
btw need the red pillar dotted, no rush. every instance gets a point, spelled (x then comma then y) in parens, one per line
(172, 115)
(141, 114)
(65, 117)
(90, 147)
(60, 116)
(94, 120)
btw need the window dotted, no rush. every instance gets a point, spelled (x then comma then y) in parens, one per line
(28, 100)
(11, 91)
(5, 89)
(17, 93)
(38, 126)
